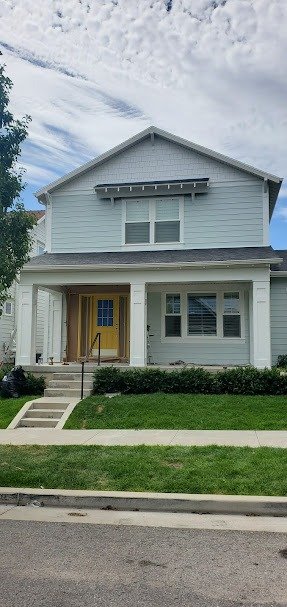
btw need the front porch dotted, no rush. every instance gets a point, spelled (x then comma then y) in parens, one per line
(209, 317)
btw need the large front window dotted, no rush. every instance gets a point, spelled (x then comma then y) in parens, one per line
(200, 315)
(155, 220)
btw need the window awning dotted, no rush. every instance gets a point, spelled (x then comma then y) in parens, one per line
(154, 188)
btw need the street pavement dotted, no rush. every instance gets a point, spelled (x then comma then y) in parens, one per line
(48, 564)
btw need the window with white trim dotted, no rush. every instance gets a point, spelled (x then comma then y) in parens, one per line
(172, 315)
(8, 308)
(153, 221)
(203, 315)
(231, 315)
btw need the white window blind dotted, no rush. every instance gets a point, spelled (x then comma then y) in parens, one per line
(201, 314)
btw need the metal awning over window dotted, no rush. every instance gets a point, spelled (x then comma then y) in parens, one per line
(152, 188)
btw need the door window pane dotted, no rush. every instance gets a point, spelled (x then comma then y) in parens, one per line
(201, 316)
(105, 313)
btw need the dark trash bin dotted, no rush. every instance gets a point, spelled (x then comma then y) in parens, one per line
(13, 384)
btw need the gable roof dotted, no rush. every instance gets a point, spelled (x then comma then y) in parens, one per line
(273, 180)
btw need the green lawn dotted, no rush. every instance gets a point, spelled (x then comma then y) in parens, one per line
(181, 411)
(9, 407)
(225, 470)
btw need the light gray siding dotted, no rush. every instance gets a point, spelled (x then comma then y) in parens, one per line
(278, 317)
(226, 216)
(211, 353)
(82, 223)
(230, 214)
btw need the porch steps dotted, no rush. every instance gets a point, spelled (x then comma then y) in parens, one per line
(44, 413)
(69, 384)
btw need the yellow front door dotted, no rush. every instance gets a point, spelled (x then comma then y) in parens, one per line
(105, 320)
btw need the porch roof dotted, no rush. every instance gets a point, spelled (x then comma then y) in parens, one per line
(277, 269)
(179, 257)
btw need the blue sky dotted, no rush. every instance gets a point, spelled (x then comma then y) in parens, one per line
(92, 74)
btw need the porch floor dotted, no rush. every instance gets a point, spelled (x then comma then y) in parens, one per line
(75, 367)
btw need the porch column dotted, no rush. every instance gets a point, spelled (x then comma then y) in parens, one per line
(26, 325)
(55, 326)
(138, 325)
(260, 326)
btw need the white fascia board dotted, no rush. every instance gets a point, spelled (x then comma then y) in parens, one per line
(170, 137)
(153, 266)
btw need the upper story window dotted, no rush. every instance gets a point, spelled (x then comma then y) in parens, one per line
(40, 248)
(153, 221)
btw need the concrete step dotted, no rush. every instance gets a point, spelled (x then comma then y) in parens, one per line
(72, 376)
(44, 413)
(49, 405)
(73, 392)
(37, 422)
(60, 383)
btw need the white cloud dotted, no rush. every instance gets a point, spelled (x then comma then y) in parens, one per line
(210, 71)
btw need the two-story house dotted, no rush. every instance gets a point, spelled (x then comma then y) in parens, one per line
(162, 247)
(8, 318)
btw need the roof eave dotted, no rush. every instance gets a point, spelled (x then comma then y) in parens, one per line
(155, 266)
(169, 136)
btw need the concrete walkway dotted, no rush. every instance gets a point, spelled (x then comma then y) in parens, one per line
(236, 438)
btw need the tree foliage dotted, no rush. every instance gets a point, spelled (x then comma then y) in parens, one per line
(15, 222)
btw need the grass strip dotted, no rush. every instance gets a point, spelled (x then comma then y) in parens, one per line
(181, 411)
(9, 407)
(222, 470)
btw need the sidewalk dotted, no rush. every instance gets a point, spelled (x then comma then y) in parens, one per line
(235, 438)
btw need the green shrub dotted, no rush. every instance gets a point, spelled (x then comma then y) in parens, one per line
(282, 361)
(241, 380)
(35, 385)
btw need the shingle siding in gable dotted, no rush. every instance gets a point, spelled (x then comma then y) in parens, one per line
(230, 214)
(163, 160)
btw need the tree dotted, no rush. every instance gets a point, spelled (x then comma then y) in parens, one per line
(15, 222)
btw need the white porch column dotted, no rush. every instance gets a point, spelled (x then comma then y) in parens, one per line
(260, 325)
(55, 326)
(26, 325)
(138, 325)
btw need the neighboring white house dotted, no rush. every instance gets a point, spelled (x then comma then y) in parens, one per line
(8, 324)
(162, 247)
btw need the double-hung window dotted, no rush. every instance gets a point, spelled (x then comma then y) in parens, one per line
(231, 315)
(8, 308)
(153, 221)
(172, 316)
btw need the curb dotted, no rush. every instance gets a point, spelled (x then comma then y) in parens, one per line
(146, 502)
